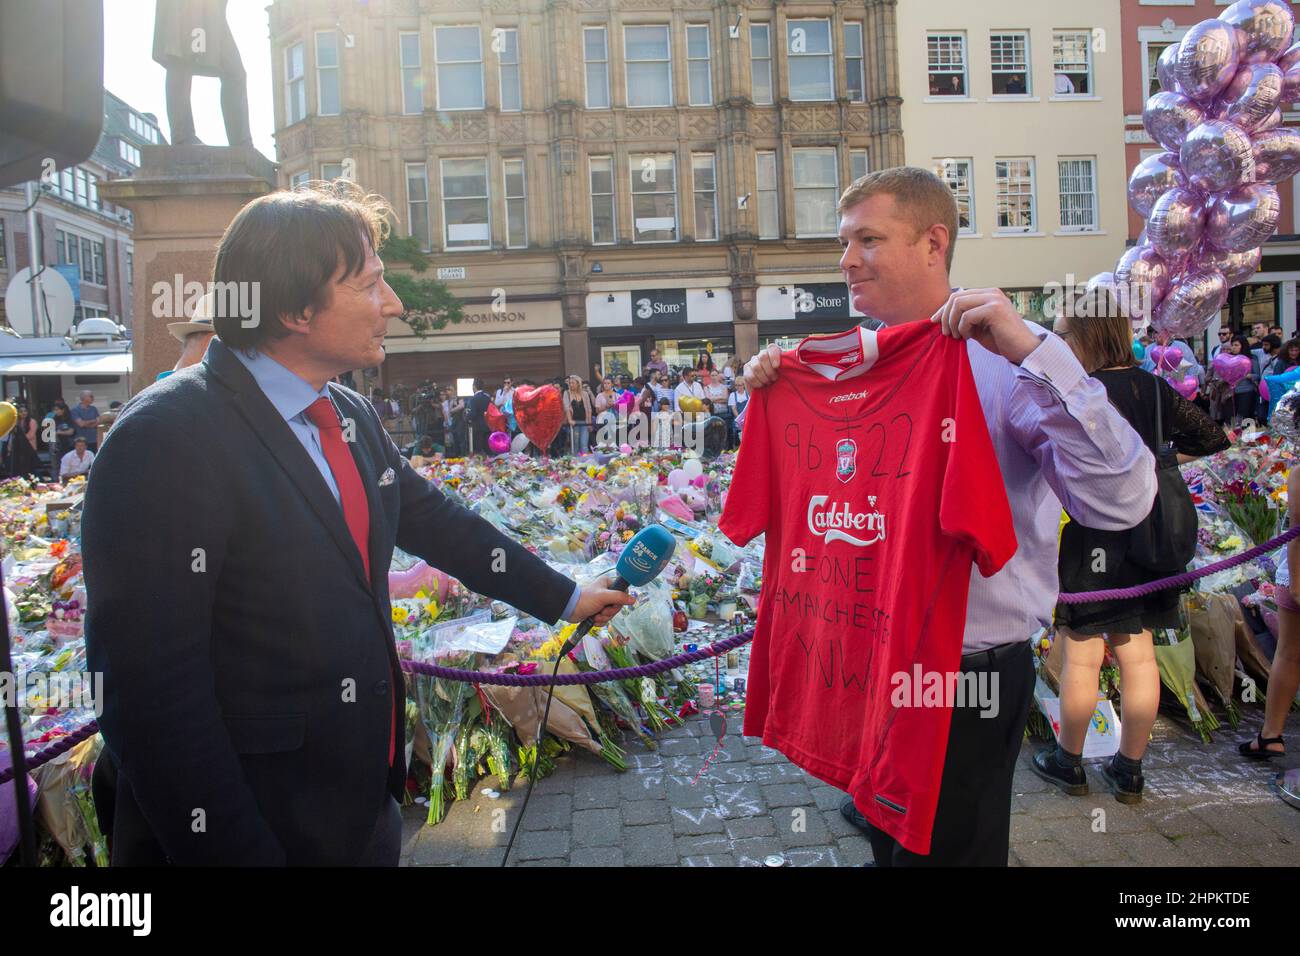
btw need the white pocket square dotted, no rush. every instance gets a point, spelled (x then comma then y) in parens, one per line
(387, 478)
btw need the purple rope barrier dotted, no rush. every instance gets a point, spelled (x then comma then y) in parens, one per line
(59, 747)
(591, 677)
(1181, 580)
(64, 744)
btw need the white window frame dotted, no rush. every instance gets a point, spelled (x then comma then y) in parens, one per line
(128, 153)
(998, 196)
(439, 63)
(754, 62)
(707, 60)
(1094, 226)
(324, 171)
(1026, 69)
(502, 66)
(486, 198)
(942, 167)
(406, 69)
(521, 199)
(411, 211)
(668, 64)
(933, 67)
(634, 172)
(609, 197)
(322, 70)
(697, 193)
(829, 56)
(866, 163)
(795, 188)
(771, 194)
(295, 107)
(1056, 65)
(861, 58)
(81, 184)
(588, 64)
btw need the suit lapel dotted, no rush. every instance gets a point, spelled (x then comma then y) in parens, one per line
(285, 448)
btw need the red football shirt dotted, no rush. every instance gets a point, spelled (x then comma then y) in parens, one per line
(869, 466)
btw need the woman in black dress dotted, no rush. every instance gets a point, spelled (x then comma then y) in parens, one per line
(1090, 560)
(23, 459)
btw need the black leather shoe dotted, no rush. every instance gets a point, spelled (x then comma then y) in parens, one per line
(850, 813)
(1127, 786)
(1070, 779)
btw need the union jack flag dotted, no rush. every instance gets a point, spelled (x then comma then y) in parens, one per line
(1197, 487)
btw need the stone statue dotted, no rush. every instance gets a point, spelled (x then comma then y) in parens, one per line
(191, 38)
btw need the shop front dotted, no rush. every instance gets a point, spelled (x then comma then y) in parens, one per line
(684, 324)
(517, 339)
(788, 311)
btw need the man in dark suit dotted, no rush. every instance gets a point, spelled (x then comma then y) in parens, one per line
(236, 544)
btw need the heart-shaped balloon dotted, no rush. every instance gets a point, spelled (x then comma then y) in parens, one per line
(1231, 368)
(1186, 386)
(1166, 357)
(539, 413)
(688, 403)
(496, 419)
(8, 418)
(1277, 154)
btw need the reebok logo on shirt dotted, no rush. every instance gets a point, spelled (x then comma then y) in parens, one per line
(848, 397)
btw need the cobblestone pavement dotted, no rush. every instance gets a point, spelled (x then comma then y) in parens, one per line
(1204, 806)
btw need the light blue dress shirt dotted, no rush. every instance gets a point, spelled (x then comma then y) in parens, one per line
(291, 395)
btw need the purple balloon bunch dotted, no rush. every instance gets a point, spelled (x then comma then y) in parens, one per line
(1211, 199)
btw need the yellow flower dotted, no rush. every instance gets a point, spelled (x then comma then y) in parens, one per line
(399, 615)
(627, 535)
(432, 608)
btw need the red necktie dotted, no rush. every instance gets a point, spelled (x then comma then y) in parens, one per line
(352, 494)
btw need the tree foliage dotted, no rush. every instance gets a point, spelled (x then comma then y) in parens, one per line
(429, 303)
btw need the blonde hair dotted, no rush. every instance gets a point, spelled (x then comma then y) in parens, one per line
(923, 199)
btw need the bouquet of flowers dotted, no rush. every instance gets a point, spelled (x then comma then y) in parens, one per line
(442, 709)
(1176, 661)
(1249, 505)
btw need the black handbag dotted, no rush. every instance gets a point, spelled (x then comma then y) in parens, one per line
(1165, 541)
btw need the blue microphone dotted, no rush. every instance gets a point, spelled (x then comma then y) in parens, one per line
(644, 557)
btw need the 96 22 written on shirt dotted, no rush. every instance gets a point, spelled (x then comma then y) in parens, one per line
(869, 467)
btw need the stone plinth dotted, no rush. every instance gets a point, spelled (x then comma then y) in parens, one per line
(183, 198)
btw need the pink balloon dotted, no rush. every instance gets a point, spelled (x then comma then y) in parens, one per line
(1231, 368)
(1237, 267)
(1186, 386)
(1277, 154)
(1166, 357)
(1263, 28)
(1289, 64)
(677, 478)
(1169, 117)
(1252, 96)
(1217, 155)
(1242, 218)
(1165, 69)
(1142, 278)
(1190, 304)
(498, 443)
(1175, 224)
(1207, 59)
(1151, 178)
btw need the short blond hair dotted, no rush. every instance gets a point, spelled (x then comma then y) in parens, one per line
(923, 199)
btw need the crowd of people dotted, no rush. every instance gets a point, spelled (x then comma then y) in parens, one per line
(69, 435)
(649, 409)
(1231, 403)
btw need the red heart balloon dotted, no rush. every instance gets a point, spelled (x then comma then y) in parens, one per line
(539, 413)
(496, 418)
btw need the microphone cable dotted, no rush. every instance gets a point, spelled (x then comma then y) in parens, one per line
(537, 759)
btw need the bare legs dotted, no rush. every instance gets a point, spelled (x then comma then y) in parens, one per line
(1139, 684)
